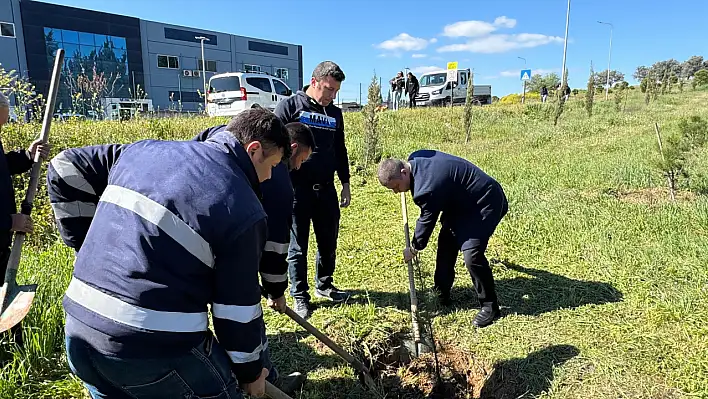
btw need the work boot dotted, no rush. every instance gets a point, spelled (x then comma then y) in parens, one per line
(486, 316)
(303, 308)
(333, 294)
(290, 383)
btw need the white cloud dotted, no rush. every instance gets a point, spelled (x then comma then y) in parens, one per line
(426, 69)
(505, 22)
(403, 42)
(477, 28)
(419, 55)
(434, 40)
(500, 43)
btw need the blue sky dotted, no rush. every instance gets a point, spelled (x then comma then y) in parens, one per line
(486, 36)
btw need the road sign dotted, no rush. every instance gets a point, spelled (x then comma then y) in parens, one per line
(451, 65)
(525, 74)
(452, 75)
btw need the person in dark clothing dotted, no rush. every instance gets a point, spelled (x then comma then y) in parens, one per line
(278, 197)
(177, 232)
(315, 193)
(13, 163)
(470, 204)
(544, 94)
(412, 87)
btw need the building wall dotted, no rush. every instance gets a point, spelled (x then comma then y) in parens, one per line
(269, 56)
(12, 49)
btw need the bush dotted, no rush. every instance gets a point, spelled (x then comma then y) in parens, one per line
(701, 77)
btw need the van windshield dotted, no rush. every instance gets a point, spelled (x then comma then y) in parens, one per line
(227, 83)
(435, 79)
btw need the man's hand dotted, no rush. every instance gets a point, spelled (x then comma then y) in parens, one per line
(346, 196)
(38, 146)
(409, 253)
(22, 222)
(257, 387)
(277, 304)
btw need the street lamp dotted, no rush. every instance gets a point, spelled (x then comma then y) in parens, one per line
(523, 96)
(565, 45)
(609, 59)
(202, 38)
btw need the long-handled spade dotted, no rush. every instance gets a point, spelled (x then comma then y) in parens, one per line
(419, 345)
(15, 301)
(363, 372)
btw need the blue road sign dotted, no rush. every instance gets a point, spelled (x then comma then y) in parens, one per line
(525, 74)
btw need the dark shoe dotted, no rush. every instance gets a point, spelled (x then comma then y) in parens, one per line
(444, 298)
(303, 308)
(486, 316)
(333, 294)
(290, 383)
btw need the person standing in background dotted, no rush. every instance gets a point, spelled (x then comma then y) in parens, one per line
(412, 87)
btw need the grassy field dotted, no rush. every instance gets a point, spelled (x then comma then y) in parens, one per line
(602, 280)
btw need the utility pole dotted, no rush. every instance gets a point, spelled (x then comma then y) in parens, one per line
(523, 96)
(202, 38)
(609, 59)
(565, 45)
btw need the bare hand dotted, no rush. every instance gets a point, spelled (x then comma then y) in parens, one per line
(346, 196)
(277, 304)
(22, 222)
(257, 387)
(408, 254)
(38, 146)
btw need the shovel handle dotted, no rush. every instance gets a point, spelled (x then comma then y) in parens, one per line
(274, 393)
(26, 207)
(411, 277)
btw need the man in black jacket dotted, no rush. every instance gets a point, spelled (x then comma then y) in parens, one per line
(471, 203)
(13, 163)
(315, 194)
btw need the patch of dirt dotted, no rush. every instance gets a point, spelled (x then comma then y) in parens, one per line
(651, 196)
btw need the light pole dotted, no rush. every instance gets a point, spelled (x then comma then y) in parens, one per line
(565, 45)
(609, 59)
(202, 38)
(523, 96)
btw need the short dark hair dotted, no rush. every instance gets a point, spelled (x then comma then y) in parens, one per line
(328, 68)
(300, 133)
(389, 169)
(260, 124)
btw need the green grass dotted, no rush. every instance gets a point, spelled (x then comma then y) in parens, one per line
(602, 281)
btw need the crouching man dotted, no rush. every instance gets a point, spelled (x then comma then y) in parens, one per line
(162, 230)
(278, 197)
(470, 205)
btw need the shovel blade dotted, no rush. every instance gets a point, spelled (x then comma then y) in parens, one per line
(16, 302)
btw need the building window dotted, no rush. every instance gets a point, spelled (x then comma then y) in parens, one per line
(267, 48)
(185, 96)
(210, 65)
(189, 36)
(167, 61)
(83, 53)
(7, 29)
(251, 68)
(282, 73)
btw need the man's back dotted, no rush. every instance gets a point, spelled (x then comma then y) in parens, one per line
(449, 183)
(163, 244)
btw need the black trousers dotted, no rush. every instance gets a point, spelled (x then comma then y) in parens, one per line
(411, 100)
(321, 206)
(475, 261)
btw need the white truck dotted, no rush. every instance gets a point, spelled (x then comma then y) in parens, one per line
(435, 89)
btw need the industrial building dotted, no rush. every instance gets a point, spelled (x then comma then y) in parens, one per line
(161, 59)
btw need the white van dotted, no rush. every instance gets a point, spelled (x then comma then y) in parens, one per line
(232, 92)
(435, 89)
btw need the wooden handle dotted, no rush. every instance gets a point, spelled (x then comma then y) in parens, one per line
(411, 276)
(275, 393)
(26, 207)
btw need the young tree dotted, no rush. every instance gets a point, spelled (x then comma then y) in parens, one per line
(26, 99)
(701, 78)
(620, 91)
(468, 107)
(590, 94)
(371, 131)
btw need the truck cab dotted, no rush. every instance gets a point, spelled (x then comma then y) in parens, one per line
(436, 90)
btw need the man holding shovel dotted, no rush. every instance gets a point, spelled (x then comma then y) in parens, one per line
(179, 226)
(470, 204)
(13, 163)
